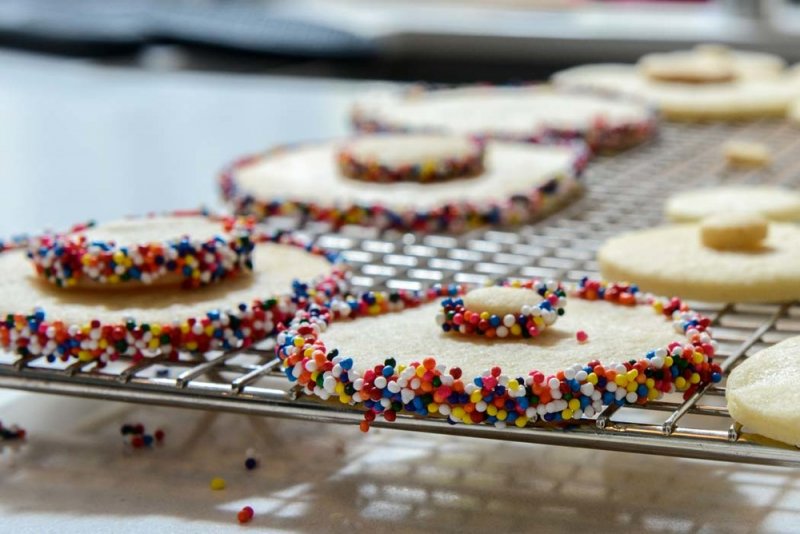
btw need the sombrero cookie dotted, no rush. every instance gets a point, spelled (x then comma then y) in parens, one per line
(773, 203)
(762, 392)
(420, 182)
(397, 353)
(520, 113)
(706, 83)
(730, 257)
(48, 309)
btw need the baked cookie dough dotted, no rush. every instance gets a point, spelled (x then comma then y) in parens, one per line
(749, 85)
(394, 358)
(518, 182)
(41, 319)
(521, 113)
(773, 203)
(189, 249)
(675, 260)
(746, 154)
(762, 392)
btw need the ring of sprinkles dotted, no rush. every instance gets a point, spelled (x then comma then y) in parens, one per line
(366, 163)
(530, 321)
(426, 388)
(36, 334)
(452, 216)
(71, 259)
(601, 135)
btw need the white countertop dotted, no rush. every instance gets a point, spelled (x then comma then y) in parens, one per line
(80, 141)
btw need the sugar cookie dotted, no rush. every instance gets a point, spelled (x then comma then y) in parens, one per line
(746, 153)
(521, 113)
(673, 260)
(734, 231)
(518, 182)
(403, 158)
(518, 309)
(395, 359)
(762, 392)
(187, 249)
(709, 64)
(773, 203)
(40, 319)
(760, 88)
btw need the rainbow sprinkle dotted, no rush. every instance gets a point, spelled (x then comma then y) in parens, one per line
(428, 389)
(71, 260)
(37, 335)
(441, 170)
(457, 216)
(529, 322)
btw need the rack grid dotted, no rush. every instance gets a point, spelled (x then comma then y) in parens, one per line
(622, 192)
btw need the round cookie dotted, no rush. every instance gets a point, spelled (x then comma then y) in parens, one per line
(519, 113)
(673, 260)
(518, 182)
(741, 99)
(747, 154)
(40, 319)
(188, 249)
(773, 203)
(404, 158)
(709, 64)
(762, 392)
(394, 358)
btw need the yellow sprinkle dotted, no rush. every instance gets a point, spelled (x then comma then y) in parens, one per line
(632, 374)
(184, 328)
(192, 345)
(339, 388)
(85, 356)
(695, 378)
(209, 330)
(217, 483)
(420, 370)
(433, 408)
(502, 414)
(458, 412)
(658, 306)
(516, 329)
(153, 344)
(299, 342)
(102, 343)
(632, 386)
(475, 396)
(521, 421)
(345, 399)
(698, 357)
(155, 329)
(668, 361)
(591, 378)
(485, 316)
(650, 383)
(574, 404)
(680, 383)
(491, 409)
(621, 380)
(566, 414)
(653, 394)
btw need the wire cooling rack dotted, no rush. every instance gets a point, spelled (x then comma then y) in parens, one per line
(623, 192)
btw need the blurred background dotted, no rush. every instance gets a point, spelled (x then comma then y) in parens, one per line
(109, 106)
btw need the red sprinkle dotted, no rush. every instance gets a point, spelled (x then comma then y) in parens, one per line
(245, 515)
(582, 336)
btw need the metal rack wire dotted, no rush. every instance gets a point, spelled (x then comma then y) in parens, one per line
(623, 192)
